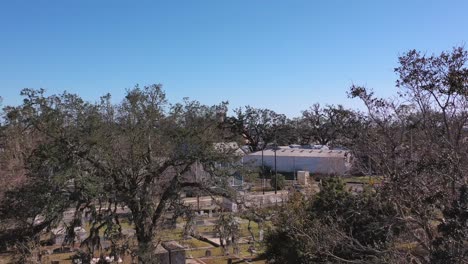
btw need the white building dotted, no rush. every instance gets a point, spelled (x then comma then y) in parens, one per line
(323, 161)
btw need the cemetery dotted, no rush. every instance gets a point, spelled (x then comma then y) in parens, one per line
(195, 240)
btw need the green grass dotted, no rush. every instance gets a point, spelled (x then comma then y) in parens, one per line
(124, 225)
(218, 252)
(245, 231)
(64, 258)
(204, 229)
(260, 189)
(219, 260)
(234, 261)
(194, 243)
(200, 253)
(364, 179)
(407, 246)
(171, 234)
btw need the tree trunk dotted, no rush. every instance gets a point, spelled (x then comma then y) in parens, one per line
(146, 248)
(146, 238)
(249, 228)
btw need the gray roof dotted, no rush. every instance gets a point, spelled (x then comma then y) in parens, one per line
(310, 153)
(229, 147)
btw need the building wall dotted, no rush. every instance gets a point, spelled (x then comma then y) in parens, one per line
(323, 165)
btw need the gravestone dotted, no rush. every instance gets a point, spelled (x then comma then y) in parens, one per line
(260, 235)
(303, 178)
(163, 255)
(176, 252)
(251, 250)
(236, 250)
(80, 233)
(208, 253)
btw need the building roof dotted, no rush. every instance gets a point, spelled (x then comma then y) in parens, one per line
(309, 153)
(229, 147)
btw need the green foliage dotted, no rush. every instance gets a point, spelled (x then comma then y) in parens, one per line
(228, 228)
(418, 144)
(334, 226)
(329, 125)
(333, 196)
(278, 182)
(450, 245)
(97, 157)
(283, 248)
(259, 126)
(251, 176)
(281, 245)
(250, 173)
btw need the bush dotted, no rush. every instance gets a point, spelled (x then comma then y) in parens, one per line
(281, 182)
(335, 226)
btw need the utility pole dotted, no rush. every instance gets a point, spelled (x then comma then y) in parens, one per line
(294, 172)
(276, 171)
(196, 179)
(263, 173)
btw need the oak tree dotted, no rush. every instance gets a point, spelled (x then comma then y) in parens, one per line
(139, 154)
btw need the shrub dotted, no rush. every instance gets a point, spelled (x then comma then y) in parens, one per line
(281, 182)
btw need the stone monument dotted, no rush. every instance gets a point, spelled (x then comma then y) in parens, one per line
(303, 178)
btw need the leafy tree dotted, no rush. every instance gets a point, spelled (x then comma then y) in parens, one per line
(228, 228)
(449, 246)
(331, 198)
(16, 143)
(96, 157)
(325, 125)
(418, 144)
(335, 227)
(281, 245)
(259, 127)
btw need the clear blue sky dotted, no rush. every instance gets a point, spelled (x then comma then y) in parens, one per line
(284, 55)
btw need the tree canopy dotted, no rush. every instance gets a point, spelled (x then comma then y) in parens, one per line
(96, 157)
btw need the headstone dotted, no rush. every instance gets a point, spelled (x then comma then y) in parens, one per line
(260, 235)
(229, 205)
(46, 252)
(176, 251)
(210, 213)
(303, 178)
(163, 255)
(234, 207)
(251, 250)
(208, 253)
(80, 233)
(59, 235)
(83, 219)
